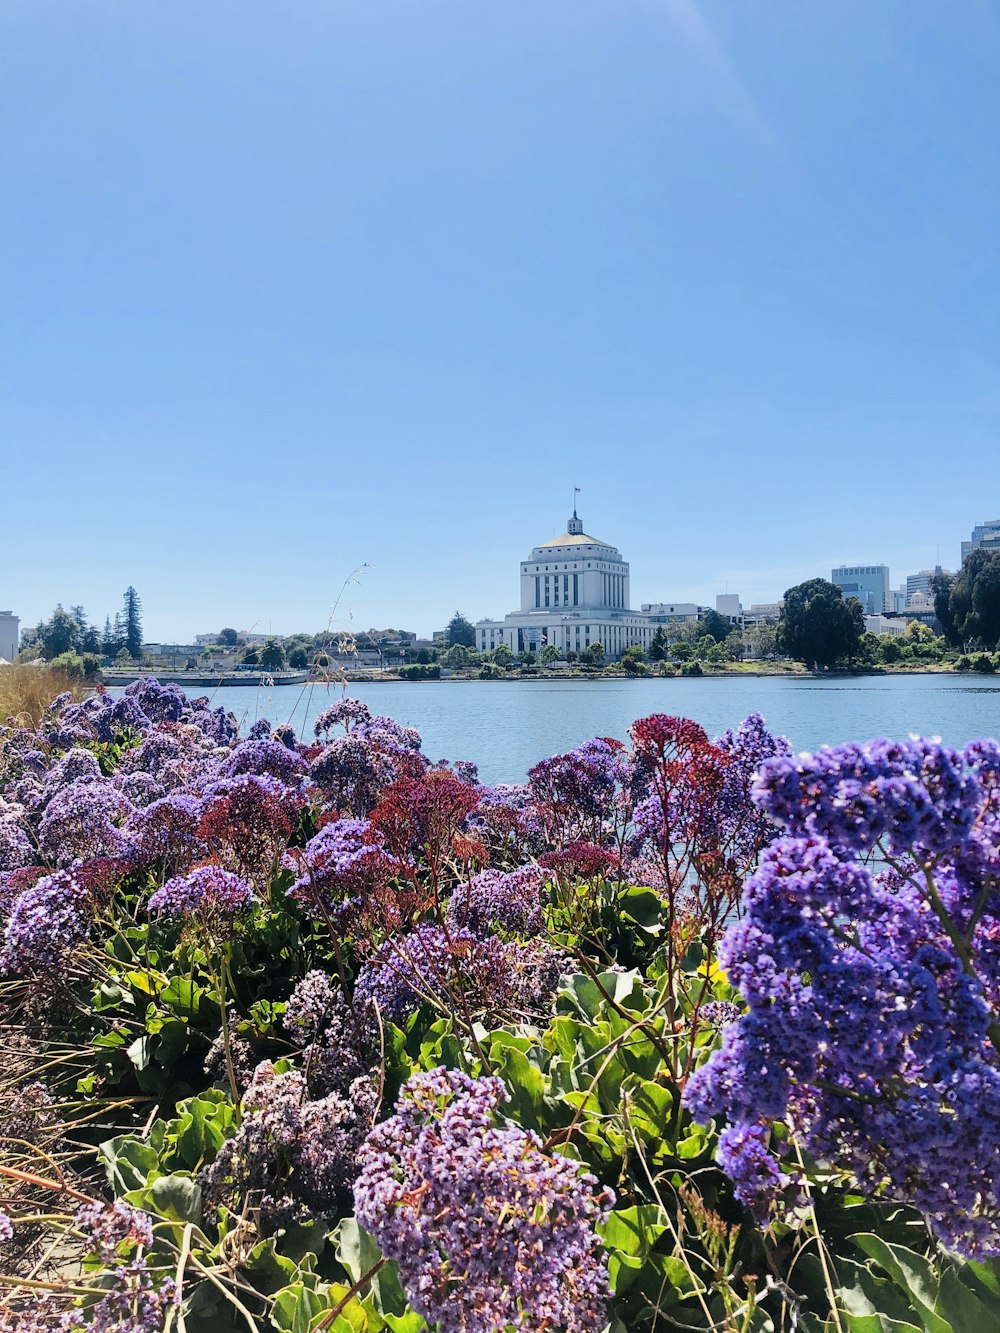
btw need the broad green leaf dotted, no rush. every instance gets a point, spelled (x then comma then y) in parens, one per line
(913, 1274)
(128, 1163)
(177, 1197)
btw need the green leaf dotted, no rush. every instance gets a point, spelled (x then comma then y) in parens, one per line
(202, 1126)
(128, 1163)
(177, 1197)
(356, 1249)
(297, 1306)
(913, 1274)
(183, 997)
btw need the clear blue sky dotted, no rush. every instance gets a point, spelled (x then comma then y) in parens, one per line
(289, 288)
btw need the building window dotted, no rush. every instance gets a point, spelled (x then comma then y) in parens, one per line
(538, 591)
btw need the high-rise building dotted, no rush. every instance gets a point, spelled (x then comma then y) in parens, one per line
(921, 583)
(868, 583)
(574, 593)
(985, 536)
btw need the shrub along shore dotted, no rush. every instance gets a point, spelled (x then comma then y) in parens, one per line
(311, 1033)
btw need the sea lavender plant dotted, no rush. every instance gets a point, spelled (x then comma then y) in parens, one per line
(339, 1041)
(292, 1158)
(873, 995)
(47, 921)
(487, 1231)
(498, 900)
(451, 969)
(79, 823)
(209, 893)
(346, 713)
(138, 1298)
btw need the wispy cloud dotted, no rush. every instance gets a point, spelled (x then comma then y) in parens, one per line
(690, 22)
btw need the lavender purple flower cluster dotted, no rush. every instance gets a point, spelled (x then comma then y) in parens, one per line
(869, 958)
(487, 1230)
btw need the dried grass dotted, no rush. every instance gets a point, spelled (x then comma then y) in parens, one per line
(27, 690)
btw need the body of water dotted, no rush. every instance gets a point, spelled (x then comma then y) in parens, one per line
(506, 726)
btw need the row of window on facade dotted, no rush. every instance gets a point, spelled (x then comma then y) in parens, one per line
(547, 590)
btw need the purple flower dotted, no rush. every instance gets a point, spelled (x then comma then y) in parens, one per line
(487, 1231)
(265, 756)
(15, 845)
(509, 901)
(79, 823)
(292, 1157)
(343, 862)
(345, 713)
(46, 922)
(208, 891)
(6, 1228)
(167, 831)
(160, 703)
(109, 1226)
(439, 967)
(873, 996)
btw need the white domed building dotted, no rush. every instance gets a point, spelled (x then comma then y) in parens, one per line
(574, 592)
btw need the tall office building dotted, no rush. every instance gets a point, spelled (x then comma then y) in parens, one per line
(868, 583)
(985, 536)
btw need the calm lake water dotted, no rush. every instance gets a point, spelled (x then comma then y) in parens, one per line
(506, 726)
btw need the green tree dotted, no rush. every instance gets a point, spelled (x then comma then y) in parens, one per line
(59, 634)
(889, 649)
(272, 655)
(502, 656)
(974, 601)
(298, 658)
(132, 618)
(682, 651)
(594, 653)
(549, 654)
(109, 643)
(123, 657)
(818, 627)
(636, 652)
(660, 646)
(229, 637)
(457, 655)
(461, 630)
(423, 657)
(250, 656)
(763, 640)
(941, 586)
(716, 625)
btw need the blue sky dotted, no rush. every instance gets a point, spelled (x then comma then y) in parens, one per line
(291, 288)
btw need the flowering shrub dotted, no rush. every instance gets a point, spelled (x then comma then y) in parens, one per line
(359, 1041)
(873, 996)
(488, 1232)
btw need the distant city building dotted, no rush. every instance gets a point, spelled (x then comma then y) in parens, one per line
(885, 625)
(868, 583)
(897, 596)
(921, 583)
(728, 604)
(665, 613)
(984, 536)
(9, 636)
(764, 611)
(243, 637)
(574, 593)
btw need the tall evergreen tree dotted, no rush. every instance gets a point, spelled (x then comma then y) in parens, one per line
(461, 630)
(108, 645)
(132, 617)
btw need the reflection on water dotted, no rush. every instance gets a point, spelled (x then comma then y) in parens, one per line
(506, 726)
